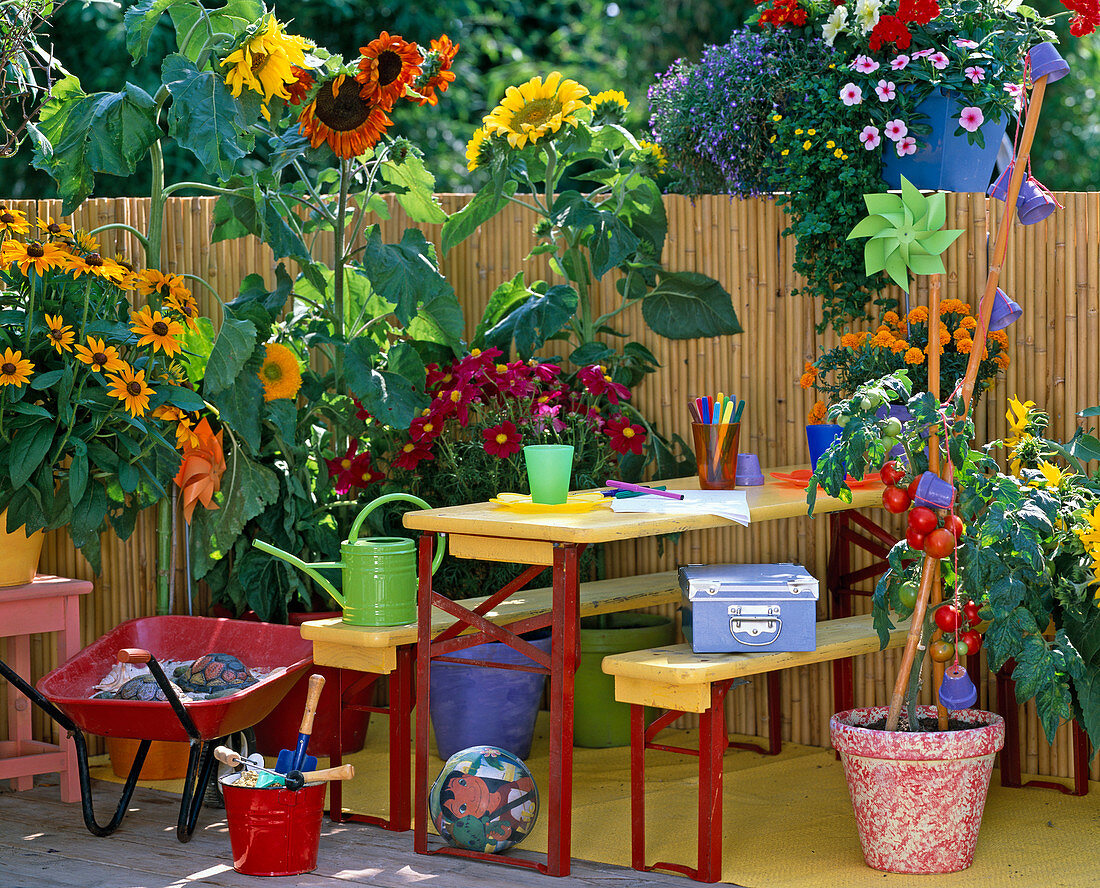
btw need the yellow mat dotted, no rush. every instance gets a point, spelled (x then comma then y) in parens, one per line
(788, 822)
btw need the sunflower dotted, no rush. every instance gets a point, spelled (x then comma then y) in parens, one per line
(478, 150)
(303, 83)
(652, 155)
(386, 66)
(608, 106)
(265, 63)
(164, 285)
(280, 373)
(61, 335)
(42, 257)
(13, 221)
(128, 385)
(99, 356)
(339, 116)
(14, 368)
(97, 266)
(186, 306)
(534, 109)
(156, 330)
(435, 72)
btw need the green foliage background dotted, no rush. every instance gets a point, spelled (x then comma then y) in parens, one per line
(603, 45)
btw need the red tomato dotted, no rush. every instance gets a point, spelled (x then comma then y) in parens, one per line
(895, 499)
(942, 651)
(972, 613)
(914, 539)
(939, 543)
(973, 641)
(923, 520)
(912, 490)
(892, 473)
(947, 618)
(955, 525)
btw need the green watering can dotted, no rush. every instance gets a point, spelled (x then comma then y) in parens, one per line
(379, 572)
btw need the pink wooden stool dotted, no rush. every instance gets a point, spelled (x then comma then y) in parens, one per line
(49, 604)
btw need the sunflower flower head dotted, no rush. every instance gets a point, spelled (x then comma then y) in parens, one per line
(14, 368)
(280, 374)
(387, 65)
(536, 110)
(479, 150)
(435, 71)
(650, 157)
(129, 386)
(1052, 476)
(340, 117)
(303, 83)
(608, 106)
(60, 334)
(264, 62)
(153, 328)
(86, 242)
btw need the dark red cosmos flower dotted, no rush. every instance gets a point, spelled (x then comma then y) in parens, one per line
(411, 455)
(456, 402)
(890, 29)
(597, 382)
(544, 371)
(360, 410)
(350, 469)
(625, 436)
(426, 427)
(918, 12)
(502, 440)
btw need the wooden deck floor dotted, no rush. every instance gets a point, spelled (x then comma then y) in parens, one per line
(44, 844)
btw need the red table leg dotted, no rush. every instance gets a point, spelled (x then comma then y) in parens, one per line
(563, 665)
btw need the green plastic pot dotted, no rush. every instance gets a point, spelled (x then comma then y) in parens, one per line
(599, 720)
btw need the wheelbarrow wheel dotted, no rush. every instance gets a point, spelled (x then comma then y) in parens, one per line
(243, 742)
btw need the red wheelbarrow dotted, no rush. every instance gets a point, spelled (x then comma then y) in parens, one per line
(65, 694)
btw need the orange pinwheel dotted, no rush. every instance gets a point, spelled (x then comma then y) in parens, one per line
(200, 475)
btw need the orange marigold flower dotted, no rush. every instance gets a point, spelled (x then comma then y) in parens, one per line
(891, 318)
(918, 315)
(965, 346)
(954, 306)
(961, 334)
(914, 356)
(849, 340)
(1003, 360)
(969, 323)
(806, 381)
(899, 346)
(883, 339)
(817, 414)
(999, 337)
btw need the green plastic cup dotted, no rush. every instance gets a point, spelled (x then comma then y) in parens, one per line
(549, 467)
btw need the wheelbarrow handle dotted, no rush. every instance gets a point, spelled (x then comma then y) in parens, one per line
(134, 655)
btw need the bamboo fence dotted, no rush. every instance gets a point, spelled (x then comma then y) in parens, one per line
(1051, 270)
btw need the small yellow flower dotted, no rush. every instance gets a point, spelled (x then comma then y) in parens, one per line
(844, 157)
(830, 144)
(785, 152)
(61, 335)
(772, 139)
(280, 374)
(777, 117)
(811, 132)
(1052, 475)
(806, 145)
(13, 221)
(839, 153)
(14, 368)
(100, 356)
(50, 227)
(798, 132)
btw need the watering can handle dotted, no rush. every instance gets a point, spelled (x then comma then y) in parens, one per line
(308, 568)
(394, 497)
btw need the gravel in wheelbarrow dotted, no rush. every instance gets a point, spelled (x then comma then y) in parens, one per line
(66, 695)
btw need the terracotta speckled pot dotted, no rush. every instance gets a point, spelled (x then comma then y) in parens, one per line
(918, 797)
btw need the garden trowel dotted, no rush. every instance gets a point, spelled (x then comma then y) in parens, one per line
(296, 759)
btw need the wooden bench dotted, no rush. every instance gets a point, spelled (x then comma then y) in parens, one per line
(675, 679)
(391, 651)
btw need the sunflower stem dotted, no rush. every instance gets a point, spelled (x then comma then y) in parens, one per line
(338, 278)
(120, 226)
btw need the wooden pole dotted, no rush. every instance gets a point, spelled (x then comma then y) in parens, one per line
(985, 309)
(934, 465)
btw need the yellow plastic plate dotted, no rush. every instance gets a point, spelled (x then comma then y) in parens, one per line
(575, 502)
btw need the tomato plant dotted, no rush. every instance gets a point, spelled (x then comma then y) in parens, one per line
(922, 520)
(955, 525)
(939, 543)
(892, 473)
(972, 613)
(947, 618)
(892, 427)
(942, 651)
(912, 489)
(895, 500)
(907, 593)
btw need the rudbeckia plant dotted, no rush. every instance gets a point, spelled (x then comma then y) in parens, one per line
(92, 412)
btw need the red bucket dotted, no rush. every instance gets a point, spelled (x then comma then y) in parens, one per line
(274, 832)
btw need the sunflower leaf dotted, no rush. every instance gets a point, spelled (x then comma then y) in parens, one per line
(387, 396)
(140, 20)
(689, 305)
(239, 406)
(404, 274)
(415, 189)
(485, 204)
(204, 117)
(234, 18)
(232, 349)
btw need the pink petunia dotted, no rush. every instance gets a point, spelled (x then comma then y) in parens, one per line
(975, 74)
(908, 145)
(850, 94)
(886, 91)
(966, 44)
(939, 60)
(971, 118)
(899, 63)
(896, 130)
(865, 64)
(870, 137)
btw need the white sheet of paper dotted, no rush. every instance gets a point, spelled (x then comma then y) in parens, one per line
(731, 504)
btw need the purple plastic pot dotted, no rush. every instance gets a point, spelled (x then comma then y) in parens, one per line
(1033, 204)
(748, 470)
(1047, 62)
(1005, 311)
(934, 492)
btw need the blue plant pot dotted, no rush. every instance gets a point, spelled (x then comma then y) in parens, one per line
(481, 706)
(819, 437)
(944, 161)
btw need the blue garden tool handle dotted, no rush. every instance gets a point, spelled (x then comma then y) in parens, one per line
(313, 695)
(397, 497)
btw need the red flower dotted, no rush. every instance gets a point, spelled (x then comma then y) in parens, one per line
(456, 402)
(349, 469)
(1087, 17)
(918, 12)
(625, 436)
(427, 427)
(502, 440)
(784, 12)
(597, 382)
(301, 86)
(411, 455)
(544, 371)
(890, 29)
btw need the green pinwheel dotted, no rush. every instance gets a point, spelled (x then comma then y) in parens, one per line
(905, 233)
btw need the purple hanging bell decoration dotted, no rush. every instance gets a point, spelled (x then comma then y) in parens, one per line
(1005, 311)
(957, 691)
(1046, 62)
(1033, 203)
(933, 492)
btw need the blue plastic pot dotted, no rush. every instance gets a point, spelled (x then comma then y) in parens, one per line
(482, 706)
(819, 437)
(944, 161)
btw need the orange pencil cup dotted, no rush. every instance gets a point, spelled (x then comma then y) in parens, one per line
(716, 453)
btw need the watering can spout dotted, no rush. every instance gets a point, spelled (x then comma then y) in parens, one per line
(311, 569)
